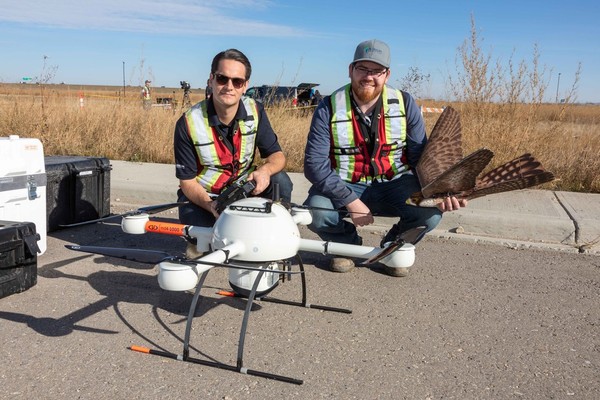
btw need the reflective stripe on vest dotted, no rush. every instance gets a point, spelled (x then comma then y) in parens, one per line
(349, 154)
(217, 165)
(342, 132)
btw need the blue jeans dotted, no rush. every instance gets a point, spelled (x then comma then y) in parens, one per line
(191, 214)
(383, 199)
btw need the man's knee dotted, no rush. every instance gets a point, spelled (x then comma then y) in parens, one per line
(433, 221)
(321, 220)
(417, 216)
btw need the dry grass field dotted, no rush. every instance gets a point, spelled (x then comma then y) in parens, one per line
(566, 138)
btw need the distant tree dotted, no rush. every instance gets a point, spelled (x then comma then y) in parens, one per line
(413, 81)
(47, 74)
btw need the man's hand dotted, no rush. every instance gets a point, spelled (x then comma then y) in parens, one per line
(198, 195)
(261, 178)
(451, 203)
(360, 213)
(262, 175)
(209, 205)
(212, 207)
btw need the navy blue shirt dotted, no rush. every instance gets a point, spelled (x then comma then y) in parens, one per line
(317, 165)
(186, 157)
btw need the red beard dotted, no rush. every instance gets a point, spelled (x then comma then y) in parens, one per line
(366, 94)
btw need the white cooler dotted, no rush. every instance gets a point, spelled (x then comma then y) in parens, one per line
(23, 183)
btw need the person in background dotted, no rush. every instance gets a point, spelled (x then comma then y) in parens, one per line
(364, 141)
(316, 98)
(215, 142)
(147, 95)
(208, 90)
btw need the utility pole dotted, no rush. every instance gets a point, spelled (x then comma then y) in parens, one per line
(123, 81)
(557, 86)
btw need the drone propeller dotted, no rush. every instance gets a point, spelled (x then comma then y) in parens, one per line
(156, 257)
(411, 236)
(290, 205)
(137, 255)
(142, 210)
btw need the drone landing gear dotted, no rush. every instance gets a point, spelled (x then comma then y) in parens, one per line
(251, 297)
(304, 302)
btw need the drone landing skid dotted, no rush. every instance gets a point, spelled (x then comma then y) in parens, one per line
(239, 367)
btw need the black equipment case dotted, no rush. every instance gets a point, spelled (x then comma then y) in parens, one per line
(18, 257)
(77, 189)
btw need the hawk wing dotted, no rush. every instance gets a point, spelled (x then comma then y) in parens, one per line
(522, 172)
(443, 149)
(442, 170)
(460, 177)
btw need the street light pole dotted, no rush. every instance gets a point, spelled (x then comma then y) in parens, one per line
(123, 81)
(557, 86)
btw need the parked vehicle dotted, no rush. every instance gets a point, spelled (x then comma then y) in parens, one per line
(293, 96)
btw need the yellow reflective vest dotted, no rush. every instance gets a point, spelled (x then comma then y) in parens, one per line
(218, 166)
(349, 152)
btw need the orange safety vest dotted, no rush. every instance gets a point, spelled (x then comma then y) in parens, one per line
(349, 153)
(218, 166)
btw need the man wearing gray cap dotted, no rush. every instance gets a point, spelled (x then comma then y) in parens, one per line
(364, 141)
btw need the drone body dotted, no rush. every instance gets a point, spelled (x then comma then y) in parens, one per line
(255, 233)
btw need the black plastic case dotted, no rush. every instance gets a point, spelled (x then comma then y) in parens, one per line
(18, 257)
(77, 189)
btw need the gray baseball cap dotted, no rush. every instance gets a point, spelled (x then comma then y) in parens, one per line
(373, 50)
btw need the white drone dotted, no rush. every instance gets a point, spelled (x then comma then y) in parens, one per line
(253, 237)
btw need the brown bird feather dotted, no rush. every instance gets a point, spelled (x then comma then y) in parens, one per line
(442, 170)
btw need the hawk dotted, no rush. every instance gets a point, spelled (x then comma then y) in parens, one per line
(442, 170)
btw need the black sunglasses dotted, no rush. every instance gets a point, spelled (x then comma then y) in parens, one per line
(237, 82)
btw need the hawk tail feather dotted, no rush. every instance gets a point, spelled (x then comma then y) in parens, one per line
(522, 182)
(524, 165)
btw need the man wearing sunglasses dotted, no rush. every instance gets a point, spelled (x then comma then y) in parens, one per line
(363, 142)
(215, 142)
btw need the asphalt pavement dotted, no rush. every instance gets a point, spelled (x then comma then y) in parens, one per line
(471, 321)
(558, 220)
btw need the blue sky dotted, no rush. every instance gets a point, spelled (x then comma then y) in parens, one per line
(289, 42)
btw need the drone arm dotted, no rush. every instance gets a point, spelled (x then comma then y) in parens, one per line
(175, 276)
(222, 255)
(339, 249)
(203, 236)
(301, 216)
(141, 223)
(403, 257)
(166, 228)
